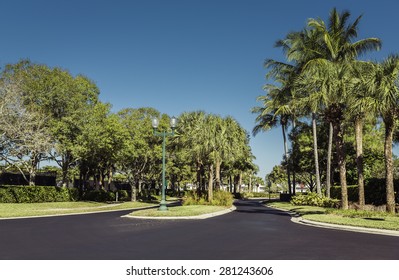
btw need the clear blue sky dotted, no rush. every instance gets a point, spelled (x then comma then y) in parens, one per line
(177, 55)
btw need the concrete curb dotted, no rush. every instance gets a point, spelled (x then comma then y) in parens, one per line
(199, 217)
(302, 221)
(81, 213)
(296, 218)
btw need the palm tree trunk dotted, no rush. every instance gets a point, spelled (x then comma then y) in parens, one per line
(210, 183)
(339, 140)
(286, 159)
(389, 128)
(316, 155)
(217, 175)
(329, 155)
(294, 158)
(359, 159)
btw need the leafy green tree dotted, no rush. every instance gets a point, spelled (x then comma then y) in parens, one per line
(99, 145)
(25, 138)
(139, 153)
(62, 98)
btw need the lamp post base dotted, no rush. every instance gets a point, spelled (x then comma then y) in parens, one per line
(162, 206)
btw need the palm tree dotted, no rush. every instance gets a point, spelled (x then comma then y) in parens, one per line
(299, 48)
(269, 116)
(386, 101)
(336, 45)
(190, 134)
(362, 74)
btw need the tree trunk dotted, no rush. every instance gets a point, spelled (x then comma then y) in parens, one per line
(389, 129)
(235, 187)
(65, 169)
(316, 155)
(32, 177)
(359, 159)
(217, 175)
(329, 156)
(210, 183)
(339, 140)
(140, 188)
(110, 176)
(239, 182)
(286, 159)
(198, 175)
(294, 158)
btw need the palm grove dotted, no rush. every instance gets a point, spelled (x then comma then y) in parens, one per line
(48, 114)
(330, 98)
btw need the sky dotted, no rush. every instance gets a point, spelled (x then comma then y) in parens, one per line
(178, 55)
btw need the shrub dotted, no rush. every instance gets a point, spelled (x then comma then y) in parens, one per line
(254, 194)
(313, 199)
(220, 198)
(6, 196)
(34, 194)
(123, 195)
(195, 198)
(98, 196)
(374, 191)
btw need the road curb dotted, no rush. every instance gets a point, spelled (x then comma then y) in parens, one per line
(296, 218)
(198, 217)
(74, 214)
(303, 221)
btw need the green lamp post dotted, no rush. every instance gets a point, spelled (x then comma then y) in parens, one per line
(163, 134)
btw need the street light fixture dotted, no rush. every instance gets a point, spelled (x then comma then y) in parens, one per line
(163, 134)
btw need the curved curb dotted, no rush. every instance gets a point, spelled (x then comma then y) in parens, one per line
(296, 218)
(300, 220)
(198, 217)
(79, 213)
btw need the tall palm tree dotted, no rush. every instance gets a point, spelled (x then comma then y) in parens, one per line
(385, 86)
(362, 75)
(299, 48)
(336, 44)
(270, 116)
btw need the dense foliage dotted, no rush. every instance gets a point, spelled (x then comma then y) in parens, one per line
(220, 198)
(34, 194)
(48, 114)
(343, 112)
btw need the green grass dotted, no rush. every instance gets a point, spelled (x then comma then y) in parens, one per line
(9, 210)
(179, 211)
(367, 219)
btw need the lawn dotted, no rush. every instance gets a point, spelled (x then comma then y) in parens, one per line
(9, 210)
(179, 211)
(367, 219)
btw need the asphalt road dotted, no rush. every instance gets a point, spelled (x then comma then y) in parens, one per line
(251, 232)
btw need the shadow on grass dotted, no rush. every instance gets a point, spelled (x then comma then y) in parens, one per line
(375, 219)
(306, 212)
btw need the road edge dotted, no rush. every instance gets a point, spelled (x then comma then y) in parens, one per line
(198, 217)
(296, 218)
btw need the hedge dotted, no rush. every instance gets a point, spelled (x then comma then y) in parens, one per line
(374, 190)
(34, 194)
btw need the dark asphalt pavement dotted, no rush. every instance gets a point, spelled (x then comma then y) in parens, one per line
(251, 232)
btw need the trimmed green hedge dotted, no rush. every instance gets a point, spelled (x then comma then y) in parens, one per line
(313, 199)
(34, 194)
(374, 190)
(98, 196)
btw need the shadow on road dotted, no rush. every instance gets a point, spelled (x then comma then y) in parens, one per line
(254, 207)
(262, 211)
